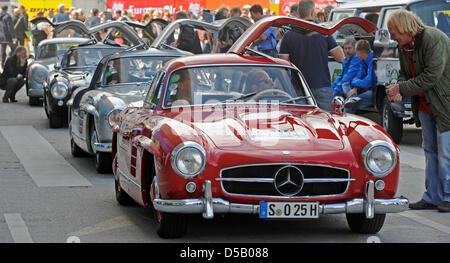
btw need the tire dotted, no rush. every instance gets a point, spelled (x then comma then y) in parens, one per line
(358, 223)
(56, 120)
(170, 225)
(34, 101)
(103, 161)
(391, 124)
(76, 150)
(121, 196)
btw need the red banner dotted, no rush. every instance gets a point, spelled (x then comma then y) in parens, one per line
(139, 7)
(286, 4)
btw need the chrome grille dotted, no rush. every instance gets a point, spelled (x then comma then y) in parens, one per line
(258, 180)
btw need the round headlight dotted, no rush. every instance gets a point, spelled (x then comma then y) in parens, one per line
(59, 90)
(379, 158)
(188, 159)
(39, 74)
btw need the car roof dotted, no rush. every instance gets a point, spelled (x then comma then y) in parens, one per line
(58, 40)
(374, 3)
(218, 59)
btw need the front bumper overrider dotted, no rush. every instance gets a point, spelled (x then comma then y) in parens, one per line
(208, 206)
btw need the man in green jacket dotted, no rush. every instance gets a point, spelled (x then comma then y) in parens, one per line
(425, 76)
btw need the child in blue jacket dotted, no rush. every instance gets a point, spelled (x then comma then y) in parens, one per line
(361, 85)
(350, 67)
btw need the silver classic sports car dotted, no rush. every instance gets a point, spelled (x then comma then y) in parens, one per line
(45, 57)
(121, 80)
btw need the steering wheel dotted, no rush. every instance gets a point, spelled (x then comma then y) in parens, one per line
(264, 92)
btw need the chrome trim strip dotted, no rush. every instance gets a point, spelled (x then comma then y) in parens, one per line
(270, 180)
(128, 179)
(287, 197)
(246, 180)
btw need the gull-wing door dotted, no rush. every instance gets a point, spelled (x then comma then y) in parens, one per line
(150, 30)
(118, 29)
(75, 25)
(167, 35)
(348, 26)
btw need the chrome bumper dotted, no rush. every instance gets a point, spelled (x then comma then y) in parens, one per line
(208, 205)
(103, 147)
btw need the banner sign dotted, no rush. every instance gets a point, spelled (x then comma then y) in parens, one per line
(284, 5)
(33, 6)
(139, 7)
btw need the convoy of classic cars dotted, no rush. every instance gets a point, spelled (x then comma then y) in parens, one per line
(212, 134)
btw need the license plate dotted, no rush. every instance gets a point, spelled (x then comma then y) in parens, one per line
(289, 210)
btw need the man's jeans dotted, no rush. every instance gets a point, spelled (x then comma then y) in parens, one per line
(437, 156)
(366, 98)
(323, 97)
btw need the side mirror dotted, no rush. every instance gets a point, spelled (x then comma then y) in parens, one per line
(384, 35)
(31, 56)
(338, 103)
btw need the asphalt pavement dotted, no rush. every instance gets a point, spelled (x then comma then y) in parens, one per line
(48, 196)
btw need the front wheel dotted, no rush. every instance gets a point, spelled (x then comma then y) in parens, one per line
(76, 150)
(56, 120)
(34, 101)
(103, 160)
(170, 225)
(358, 223)
(391, 124)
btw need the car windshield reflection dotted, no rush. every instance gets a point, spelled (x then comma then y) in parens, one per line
(236, 84)
(53, 50)
(133, 69)
(86, 57)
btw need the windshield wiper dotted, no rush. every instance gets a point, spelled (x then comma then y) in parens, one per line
(251, 94)
(296, 98)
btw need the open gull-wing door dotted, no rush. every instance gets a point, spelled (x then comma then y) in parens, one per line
(215, 27)
(151, 30)
(76, 25)
(118, 29)
(347, 26)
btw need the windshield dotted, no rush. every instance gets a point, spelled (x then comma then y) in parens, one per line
(434, 13)
(133, 70)
(86, 57)
(236, 84)
(53, 50)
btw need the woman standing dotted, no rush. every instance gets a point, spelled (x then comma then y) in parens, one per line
(14, 74)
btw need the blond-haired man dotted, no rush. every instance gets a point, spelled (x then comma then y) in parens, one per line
(425, 76)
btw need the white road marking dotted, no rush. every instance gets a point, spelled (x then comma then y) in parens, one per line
(425, 221)
(110, 224)
(17, 228)
(41, 161)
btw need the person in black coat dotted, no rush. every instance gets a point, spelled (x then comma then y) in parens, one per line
(13, 76)
(188, 39)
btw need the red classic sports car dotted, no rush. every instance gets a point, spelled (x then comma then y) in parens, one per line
(241, 133)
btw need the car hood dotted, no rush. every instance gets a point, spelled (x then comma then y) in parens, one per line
(261, 129)
(129, 94)
(48, 62)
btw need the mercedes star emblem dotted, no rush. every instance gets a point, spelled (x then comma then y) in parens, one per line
(288, 180)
